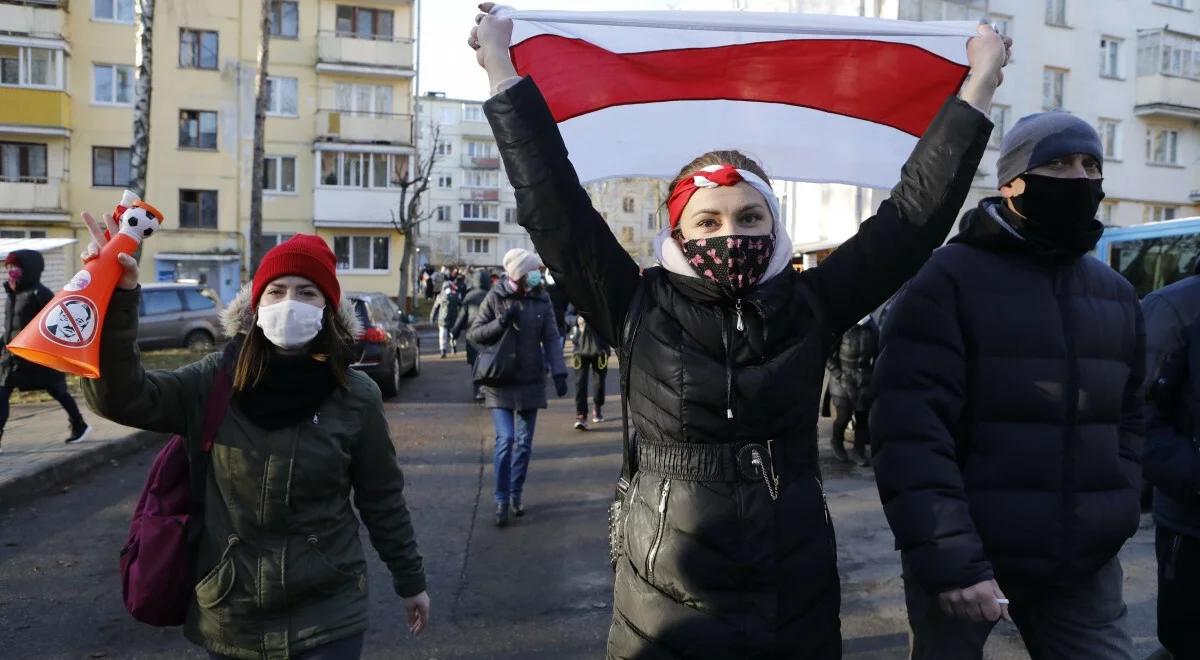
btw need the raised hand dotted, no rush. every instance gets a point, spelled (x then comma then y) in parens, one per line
(129, 277)
(490, 38)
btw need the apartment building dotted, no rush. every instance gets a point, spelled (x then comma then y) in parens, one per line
(471, 208)
(338, 134)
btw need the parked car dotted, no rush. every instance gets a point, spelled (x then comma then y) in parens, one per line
(174, 315)
(388, 349)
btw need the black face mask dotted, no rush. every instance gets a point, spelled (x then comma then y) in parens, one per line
(1061, 212)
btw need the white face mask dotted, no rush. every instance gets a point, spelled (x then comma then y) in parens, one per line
(290, 324)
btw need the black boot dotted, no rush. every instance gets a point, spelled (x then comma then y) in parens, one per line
(860, 456)
(517, 509)
(502, 514)
(839, 449)
(79, 431)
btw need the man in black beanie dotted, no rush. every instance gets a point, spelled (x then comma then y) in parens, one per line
(1008, 422)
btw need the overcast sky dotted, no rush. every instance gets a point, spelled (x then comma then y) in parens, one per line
(448, 65)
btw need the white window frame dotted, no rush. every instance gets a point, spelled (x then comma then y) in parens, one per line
(476, 179)
(1159, 212)
(1153, 133)
(346, 97)
(366, 167)
(999, 116)
(480, 211)
(472, 112)
(444, 148)
(1112, 56)
(445, 181)
(481, 149)
(1056, 13)
(1173, 4)
(1110, 136)
(443, 213)
(275, 101)
(473, 245)
(276, 163)
(22, 233)
(25, 65)
(272, 239)
(115, 18)
(277, 9)
(1054, 77)
(351, 270)
(113, 87)
(510, 215)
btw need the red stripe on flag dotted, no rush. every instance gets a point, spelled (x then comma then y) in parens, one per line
(894, 84)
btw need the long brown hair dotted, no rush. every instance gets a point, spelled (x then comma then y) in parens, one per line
(331, 346)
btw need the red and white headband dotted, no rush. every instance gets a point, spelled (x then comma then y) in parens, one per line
(714, 176)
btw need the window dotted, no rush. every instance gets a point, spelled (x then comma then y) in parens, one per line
(1056, 12)
(1110, 57)
(1153, 213)
(1053, 81)
(23, 162)
(111, 166)
(163, 301)
(480, 149)
(364, 22)
(481, 179)
(443, 213)
(1110, 135)
(350, 169)
(444, 149)
(119, 11)
(112, 84)
(368, 253)
(1003, 24)
(197, 129)
(285, 19)
(651, 221)
(1168, 53)
(445, 181)
(195, 301)
(627, 204)
(359, 99)
(198, 209)
(279, 174)
(197, 49)
(282, 96)
(477, 211)
(22, 233)
(478, 246)
(271, 240)
(1000, 124)
(1106, 213)
(1162, 146)
(472, 112)
(1178, 4)
(510, 216)
(25, 66)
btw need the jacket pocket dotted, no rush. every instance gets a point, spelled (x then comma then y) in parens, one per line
(664, 494)
(333, 579)
(214, 587)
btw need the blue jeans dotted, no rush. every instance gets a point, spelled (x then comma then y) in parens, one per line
(514, 444)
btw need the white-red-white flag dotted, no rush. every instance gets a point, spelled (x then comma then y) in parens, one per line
(827, 99)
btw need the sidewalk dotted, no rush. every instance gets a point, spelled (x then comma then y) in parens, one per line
(36, 459)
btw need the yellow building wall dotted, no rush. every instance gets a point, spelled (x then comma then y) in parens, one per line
(35, 107)
(388, 282)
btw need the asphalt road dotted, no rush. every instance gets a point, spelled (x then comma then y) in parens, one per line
(540, 588)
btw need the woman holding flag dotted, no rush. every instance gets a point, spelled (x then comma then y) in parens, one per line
(728, 549)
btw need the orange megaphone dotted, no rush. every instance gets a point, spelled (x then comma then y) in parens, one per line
(64, 335)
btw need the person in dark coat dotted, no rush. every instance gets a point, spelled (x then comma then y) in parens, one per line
(467, 312)
(1171, 458)
(727, 548)
(26, 298)
(521, 305)
(1008, 417)
(591, 355)
(444, 314)
(850, 370)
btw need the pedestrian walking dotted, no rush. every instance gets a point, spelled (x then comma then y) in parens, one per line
(467, 313)
(26, 298)
(723, 546)
(1008, 417)
(519, 305)
(428, 278)
(590, 356)
(850, 370)
(282, 570)
(444, 314)
(1171, 457)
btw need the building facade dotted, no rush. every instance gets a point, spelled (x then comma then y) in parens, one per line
(339, 132)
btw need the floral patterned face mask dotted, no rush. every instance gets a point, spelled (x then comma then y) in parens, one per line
(736, 263)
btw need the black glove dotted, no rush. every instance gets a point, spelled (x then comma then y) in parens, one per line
(510, 315)
(560, 385)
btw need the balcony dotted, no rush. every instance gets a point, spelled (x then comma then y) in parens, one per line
(482, 195)
(476, 163)
(33, 196)
(35, 18)
(375, 128)
(379, 57)
(479, 227)
(1161, 95)
(36, 111)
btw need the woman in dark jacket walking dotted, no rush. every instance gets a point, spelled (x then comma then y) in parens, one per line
(282, 570)
(728, 549)
(519, 305)
(850, 369)
(591, 355)
(26, 298)
(471, 303)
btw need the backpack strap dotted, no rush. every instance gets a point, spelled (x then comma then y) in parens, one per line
(633, 321)
(218, 402)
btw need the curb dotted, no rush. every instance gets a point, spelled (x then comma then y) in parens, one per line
(39, 482)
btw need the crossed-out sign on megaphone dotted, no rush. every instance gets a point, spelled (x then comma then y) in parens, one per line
(65, 334)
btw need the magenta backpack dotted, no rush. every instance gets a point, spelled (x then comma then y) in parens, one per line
(157, 562)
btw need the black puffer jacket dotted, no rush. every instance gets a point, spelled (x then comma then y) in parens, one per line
(1007, 413)
(1172, 452)
(717, 568)
(851, 367)
(539, 346)
(20, 308)
(471, 302)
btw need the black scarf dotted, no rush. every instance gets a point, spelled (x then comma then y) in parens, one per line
(291, 390)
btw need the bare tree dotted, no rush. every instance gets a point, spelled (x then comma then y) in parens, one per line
(260, 129)
(143, 61)
(409, 215)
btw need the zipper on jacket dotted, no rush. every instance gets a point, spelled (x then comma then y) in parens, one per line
(652, 555)
(738, 306)
(1072, 399)
(725, 339)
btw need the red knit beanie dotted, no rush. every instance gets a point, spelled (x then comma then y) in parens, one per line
(303, 255)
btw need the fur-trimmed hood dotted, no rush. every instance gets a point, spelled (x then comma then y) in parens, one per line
(238, 316)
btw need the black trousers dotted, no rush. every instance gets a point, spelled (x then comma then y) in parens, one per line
(587, 365)
(1178, 609)
(843, 412)
(60, 394)
(347, 648)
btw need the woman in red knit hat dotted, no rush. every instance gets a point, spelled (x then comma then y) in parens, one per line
(281, 570)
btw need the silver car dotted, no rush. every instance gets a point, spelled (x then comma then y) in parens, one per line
(174, 315)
